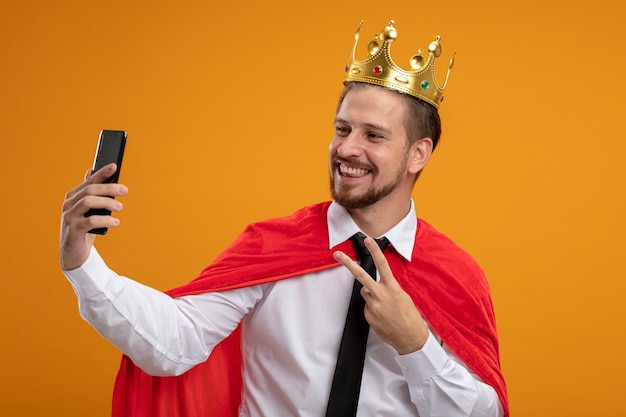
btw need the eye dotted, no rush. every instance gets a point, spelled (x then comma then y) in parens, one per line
(342, 131)
(375, 136)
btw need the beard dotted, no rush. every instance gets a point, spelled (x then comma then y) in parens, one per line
(343, 193)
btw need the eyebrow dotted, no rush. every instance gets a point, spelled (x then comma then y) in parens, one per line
(372, 126)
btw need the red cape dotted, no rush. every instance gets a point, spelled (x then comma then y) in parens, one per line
(446, 284)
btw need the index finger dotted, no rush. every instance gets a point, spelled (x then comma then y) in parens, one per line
(380, 261)
(359, 273)
(93, 178)
(103, 173)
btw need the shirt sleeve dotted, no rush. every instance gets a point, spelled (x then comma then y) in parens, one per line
(441, 385)
(164, 336)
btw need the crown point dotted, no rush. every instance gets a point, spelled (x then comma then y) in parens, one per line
(372, 47)
(389, 33)
(452, 61)
(417, 61)
(358, 31)
(435, 47)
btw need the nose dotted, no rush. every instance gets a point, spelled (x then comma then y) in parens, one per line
(349, 146)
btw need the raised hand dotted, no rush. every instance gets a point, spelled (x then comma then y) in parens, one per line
(389, 310)
(91, 193)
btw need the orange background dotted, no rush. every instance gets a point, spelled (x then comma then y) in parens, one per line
(229, 112)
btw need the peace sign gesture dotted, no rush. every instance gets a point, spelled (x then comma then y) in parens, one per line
(388, 308)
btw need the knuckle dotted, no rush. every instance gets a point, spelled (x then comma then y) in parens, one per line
(84, 202)
(90, 189)
(66, 218)
(93, 222)
(66, 206)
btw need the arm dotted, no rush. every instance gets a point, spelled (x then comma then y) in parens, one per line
(164, 336)
(439, 383)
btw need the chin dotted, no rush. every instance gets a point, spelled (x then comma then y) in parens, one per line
(351, 200)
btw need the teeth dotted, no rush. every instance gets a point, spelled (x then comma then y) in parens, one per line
(352, 171)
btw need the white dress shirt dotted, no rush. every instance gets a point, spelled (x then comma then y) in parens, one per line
(291, 330)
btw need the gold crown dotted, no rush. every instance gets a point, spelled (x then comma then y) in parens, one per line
(378, 68)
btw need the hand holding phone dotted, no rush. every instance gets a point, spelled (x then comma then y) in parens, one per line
(110, 149)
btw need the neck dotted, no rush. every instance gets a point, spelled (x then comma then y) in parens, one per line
(378, 219)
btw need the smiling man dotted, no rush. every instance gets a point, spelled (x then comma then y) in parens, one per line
(304, 315)
(375, 157)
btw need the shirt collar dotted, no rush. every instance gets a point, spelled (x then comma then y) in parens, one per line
(402, 236)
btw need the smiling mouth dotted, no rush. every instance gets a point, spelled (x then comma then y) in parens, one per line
(352, 171)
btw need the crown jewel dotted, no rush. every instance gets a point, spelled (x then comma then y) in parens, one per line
(378, 68)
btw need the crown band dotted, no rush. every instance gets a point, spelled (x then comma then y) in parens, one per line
(379, 69)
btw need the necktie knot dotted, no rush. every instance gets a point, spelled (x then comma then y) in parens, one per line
(358, 241)
(367, 262)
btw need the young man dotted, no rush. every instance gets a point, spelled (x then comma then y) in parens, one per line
(279, 295)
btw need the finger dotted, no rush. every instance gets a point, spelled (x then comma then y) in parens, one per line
(98, 222)
(91, 178)
(103, 173)
(380, 261)
(85, 190)
(79, 187)
(359, 273)
(365, 293)
(87, 203)
(75, 218)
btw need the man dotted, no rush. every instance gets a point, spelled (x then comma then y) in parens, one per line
(282, 290)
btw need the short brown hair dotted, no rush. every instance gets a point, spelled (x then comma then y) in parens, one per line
(422, 119)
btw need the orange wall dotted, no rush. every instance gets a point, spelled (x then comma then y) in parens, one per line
(229, 111)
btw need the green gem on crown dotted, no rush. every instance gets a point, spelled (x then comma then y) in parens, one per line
(425, 85)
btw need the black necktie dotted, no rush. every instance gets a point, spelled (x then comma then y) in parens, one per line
(344, 392)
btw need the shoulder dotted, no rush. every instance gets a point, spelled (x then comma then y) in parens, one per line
(306, 226)
(438, 250)
(428, 237)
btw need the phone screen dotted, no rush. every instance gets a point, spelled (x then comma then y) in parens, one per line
(111, 146)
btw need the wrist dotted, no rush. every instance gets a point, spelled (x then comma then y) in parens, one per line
(71, 260)
(414, 344)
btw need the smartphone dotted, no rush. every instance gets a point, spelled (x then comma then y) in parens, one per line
(111, 146)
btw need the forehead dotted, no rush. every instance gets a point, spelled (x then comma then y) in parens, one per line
(374, 106)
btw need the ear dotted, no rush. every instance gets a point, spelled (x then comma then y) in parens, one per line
(419, 154)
